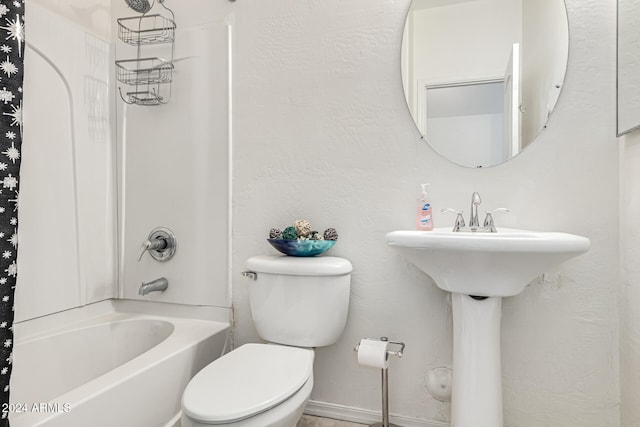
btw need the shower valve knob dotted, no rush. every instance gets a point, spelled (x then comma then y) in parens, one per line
(161, 244)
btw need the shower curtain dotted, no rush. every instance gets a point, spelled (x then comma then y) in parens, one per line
(11, 75)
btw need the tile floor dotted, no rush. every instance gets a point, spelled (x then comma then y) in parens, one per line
(310, 421)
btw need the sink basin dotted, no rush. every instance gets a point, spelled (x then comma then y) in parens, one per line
(486, 264)
(491, 265)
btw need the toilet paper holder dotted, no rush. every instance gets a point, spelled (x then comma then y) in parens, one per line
(397, 353)
(385, 381)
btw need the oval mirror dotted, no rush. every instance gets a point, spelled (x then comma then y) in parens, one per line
(481, 77)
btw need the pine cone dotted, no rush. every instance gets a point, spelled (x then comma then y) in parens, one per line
(275, 233)
(330, 234)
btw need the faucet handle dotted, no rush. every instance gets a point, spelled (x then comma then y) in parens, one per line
(157, 244)
(145, 247)
(503, 210)
(488, 220)
(459, 218)
(161, 244)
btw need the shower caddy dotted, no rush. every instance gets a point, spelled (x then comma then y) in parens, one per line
(147, 78)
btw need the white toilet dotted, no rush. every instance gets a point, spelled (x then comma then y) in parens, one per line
(297, 303)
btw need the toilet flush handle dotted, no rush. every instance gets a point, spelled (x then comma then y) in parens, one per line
(250, 274)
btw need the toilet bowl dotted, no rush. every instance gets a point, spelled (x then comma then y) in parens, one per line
(296, 304)
(256, 385)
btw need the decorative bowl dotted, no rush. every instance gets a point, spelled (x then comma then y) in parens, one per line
(301, 247)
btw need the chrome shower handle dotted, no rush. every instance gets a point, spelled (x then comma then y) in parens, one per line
(158, 244)
(161, 244)
(145, 247)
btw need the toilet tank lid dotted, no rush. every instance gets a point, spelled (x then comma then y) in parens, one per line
(300, 266)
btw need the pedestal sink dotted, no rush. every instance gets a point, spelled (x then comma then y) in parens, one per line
(479, 269)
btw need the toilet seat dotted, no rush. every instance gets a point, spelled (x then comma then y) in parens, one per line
(249, 380)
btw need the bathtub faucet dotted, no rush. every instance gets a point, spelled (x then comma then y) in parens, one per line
(157, 285)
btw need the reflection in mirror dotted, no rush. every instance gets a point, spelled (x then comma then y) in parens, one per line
(628, 66)
(481, 77)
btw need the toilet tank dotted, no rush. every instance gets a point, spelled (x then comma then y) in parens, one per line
(300, 301)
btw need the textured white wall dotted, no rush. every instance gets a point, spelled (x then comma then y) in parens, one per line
(322, 132)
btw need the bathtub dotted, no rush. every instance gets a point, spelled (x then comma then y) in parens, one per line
(114, 363)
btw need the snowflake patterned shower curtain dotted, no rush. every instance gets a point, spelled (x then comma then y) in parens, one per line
(11, 75)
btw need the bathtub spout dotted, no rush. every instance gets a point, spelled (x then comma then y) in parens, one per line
(157, 285)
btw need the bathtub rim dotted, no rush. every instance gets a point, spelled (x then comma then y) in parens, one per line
(78, 317)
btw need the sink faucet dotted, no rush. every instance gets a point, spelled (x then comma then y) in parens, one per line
(475, 201)
(474, 224)
(157, 285)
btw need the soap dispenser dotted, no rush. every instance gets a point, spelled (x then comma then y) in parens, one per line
(424, 217)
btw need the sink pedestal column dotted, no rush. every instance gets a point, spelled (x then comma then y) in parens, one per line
(476, 399)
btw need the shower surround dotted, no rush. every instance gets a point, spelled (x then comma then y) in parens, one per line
(98, 176)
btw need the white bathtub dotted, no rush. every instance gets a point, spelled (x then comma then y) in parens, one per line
(111, 364)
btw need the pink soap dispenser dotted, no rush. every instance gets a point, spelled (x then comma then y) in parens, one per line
(424, 217)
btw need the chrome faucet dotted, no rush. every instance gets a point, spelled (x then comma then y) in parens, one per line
(475, 201)
(474, 224)
(157, 285)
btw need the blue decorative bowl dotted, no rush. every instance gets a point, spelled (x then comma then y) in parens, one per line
(301, 247)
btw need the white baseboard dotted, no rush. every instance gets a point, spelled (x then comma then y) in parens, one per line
(364, 416)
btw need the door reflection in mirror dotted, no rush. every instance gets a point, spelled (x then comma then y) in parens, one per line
(520, 44)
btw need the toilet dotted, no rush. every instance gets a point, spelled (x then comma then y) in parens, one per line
(297, 303)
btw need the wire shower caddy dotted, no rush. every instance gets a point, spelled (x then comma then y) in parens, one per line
(147, 78)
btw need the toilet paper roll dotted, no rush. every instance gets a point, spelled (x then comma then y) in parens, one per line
(373, 353)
